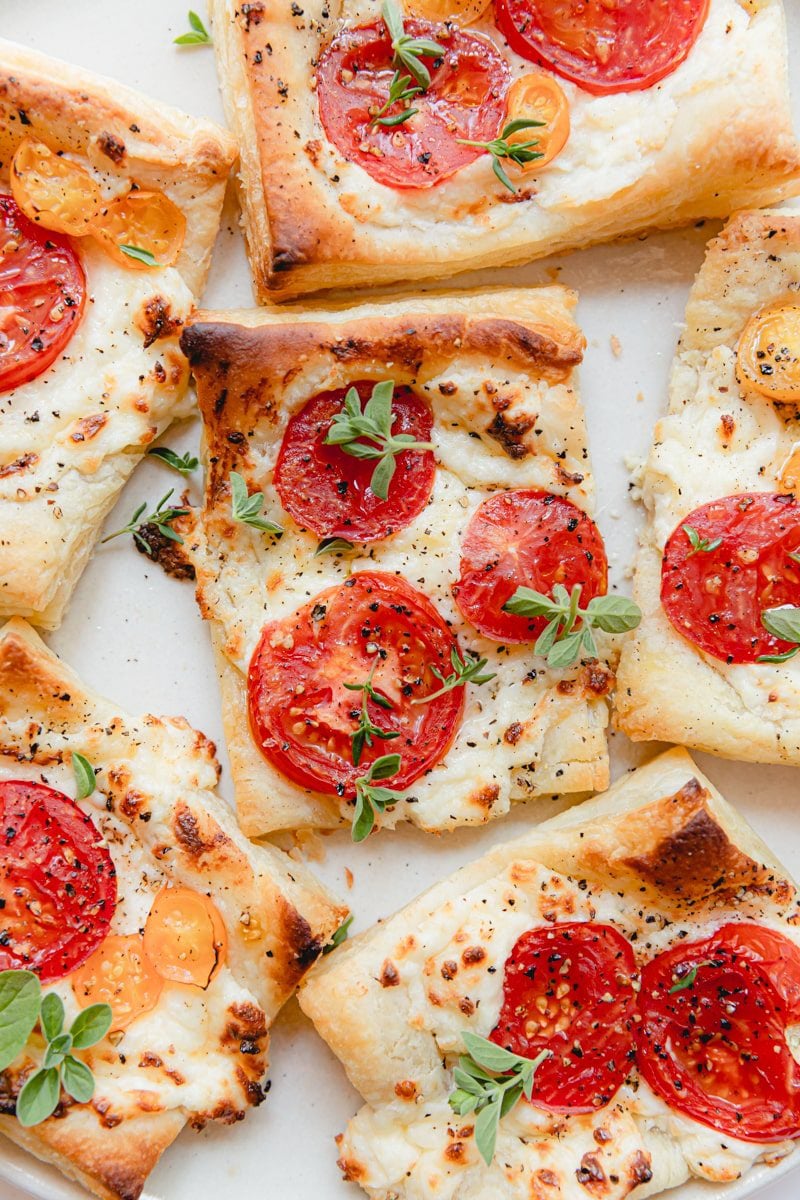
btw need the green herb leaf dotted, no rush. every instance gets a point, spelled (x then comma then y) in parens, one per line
(700, 545)
(490, 1081)
(782, 622)
(20, 1000)
(161, 517)
(367, 729)
(91, 1026)
(52, 1016)
(685, 983)
(333, 545)
(247, 508)
(517, 152)
(339, 936)
(142, 256)
(371, 800)
(465, 670)
(58, 1048)
(85, 778)
(399, 93)
(38, 1099)
(77, 1079)
(198, 35)
(184, 464)
(568, 634)
(408, 51)
(350, 425)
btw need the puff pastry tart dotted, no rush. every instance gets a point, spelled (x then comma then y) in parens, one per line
(403, 139)
(718, 574)
(599, 1008)
(126, 884)
(109, 206)
(381, 482)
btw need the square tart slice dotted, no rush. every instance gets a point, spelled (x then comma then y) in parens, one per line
(90, 369)
(144, 895)
(713, 662)
(645, 943)
(655, 116)
(487, 379)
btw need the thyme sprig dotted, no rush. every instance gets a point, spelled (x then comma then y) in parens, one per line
(367, 729)
(374, 424)
(517, 152)
(468, 669)
(409, 51)
(371, 800)
(399, 93)
(161, 518)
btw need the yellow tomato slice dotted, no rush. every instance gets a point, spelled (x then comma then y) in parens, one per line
(184, 937)
(52, 191)
(457, 12)
(119, 973)
(147, 223)
(539, 98)
(769, 352)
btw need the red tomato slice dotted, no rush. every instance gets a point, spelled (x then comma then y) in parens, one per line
(604, 47)
(715, 598)
(301, 714)
(569, 989)
(526, 539)
(466, 99)
(716, 1049)
(57, 882)
(328, 491)
(42, 294)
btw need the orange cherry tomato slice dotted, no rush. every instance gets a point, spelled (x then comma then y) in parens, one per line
(52, 191)
(120, 974)
(447, 12)
(539, 98)
(144, 222)
(768, 359)
(184, 937)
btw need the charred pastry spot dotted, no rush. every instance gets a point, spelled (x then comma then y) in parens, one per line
(389, 976)
(19, 464)
(406, 1089)
(110, 145)
(473, 955)
(88, 427)
(156, 321)
(590, 1171)
(513, 733)
(509, 433)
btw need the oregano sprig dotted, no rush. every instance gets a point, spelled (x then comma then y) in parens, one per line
(399, 93)
(371, 800)
(161, 517)
(184, 464)
(783, 623)
(367, 729)
(685, 982)
(350, 425)
(489, 1082)
(21, 1006)
(517, 152)
(700, 545)
(340, 936)
(140, 254)
(568, 633)
(247, 508)
(197, 34)
(409, 51)
(468, 669)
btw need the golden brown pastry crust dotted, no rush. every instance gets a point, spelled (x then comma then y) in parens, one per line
(660, 854)
(718, 439)
(123, 135)
(157, 776)
(496, 368)
(314, 221)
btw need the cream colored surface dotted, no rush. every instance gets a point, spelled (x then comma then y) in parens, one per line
(72, 435)
(712, 136)
(526, 732)
(719, 439)
(394, 1004)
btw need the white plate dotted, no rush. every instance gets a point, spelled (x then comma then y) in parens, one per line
(137, 637)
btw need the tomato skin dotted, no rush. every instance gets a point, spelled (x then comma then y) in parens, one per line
(57, 881)
(328, 491)
(40, 277)
(604, 48)
(466, 99)
(525, 538)
(715, 598)
(716, 1050)
(587, 962)
(302, 716)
